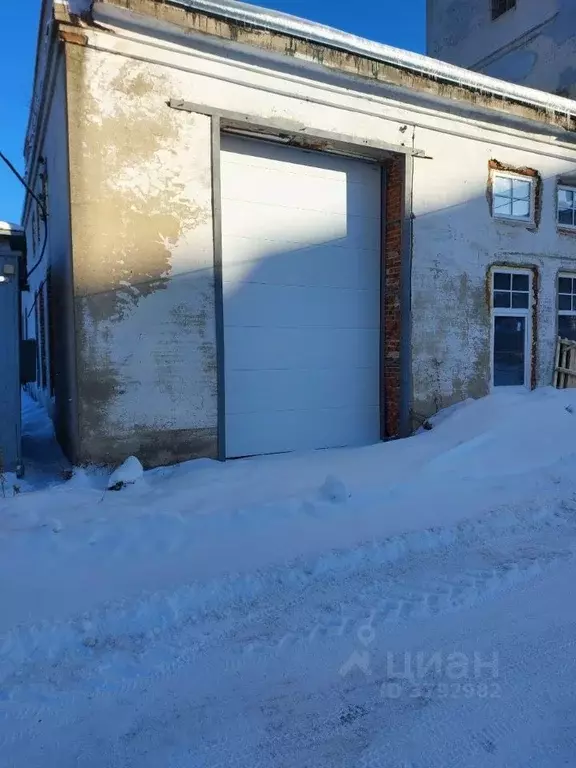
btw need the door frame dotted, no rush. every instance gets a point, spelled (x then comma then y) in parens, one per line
(382, 153)
(526, 313)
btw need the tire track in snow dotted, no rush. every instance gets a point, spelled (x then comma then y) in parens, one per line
(402, 579)
(379, 577)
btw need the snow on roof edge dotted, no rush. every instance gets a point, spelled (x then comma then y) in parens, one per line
(293, 25)
(7, 228)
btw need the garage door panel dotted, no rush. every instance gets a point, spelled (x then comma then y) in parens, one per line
(289, 228)
(254, 304)
(300, 390)
(322, 193)
(281, 431)
(322, 265)
(301, 280)
(261, 348)
(249, 155)
(332, 194)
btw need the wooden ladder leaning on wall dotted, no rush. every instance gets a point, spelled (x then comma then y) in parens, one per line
(565, 364)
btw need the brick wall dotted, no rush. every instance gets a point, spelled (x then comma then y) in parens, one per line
(391, 290)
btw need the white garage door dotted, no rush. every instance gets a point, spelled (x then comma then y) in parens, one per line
(301, 280)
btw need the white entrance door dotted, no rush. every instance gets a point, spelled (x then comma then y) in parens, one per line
(301, 282)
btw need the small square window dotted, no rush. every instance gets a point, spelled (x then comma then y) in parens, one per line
(513, 197)
(511, 290)
(500, 7)
(567, 207)
(567, 307)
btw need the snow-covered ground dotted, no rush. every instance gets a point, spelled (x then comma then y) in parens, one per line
(409, 604)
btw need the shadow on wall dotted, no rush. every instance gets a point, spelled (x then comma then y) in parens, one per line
(301, 281)
(453, 344)
(301, 238)
(543, 59)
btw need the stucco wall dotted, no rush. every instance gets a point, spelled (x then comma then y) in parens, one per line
(141, 217)
(456, 241)
(534, 44)
(143, 264)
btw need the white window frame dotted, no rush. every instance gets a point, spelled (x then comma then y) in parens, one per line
(530, 219)
(564, 188)
(512, 312)
(564, 312)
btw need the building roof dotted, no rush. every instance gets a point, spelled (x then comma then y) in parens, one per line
(8, 229)
(318, 33)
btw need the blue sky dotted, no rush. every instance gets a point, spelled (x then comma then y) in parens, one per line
(400, 24)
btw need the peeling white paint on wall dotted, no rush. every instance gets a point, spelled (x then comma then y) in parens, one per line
(158, 345)
(142, 227)
(455, 238)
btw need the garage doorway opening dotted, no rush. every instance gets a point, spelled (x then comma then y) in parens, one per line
(302, 299)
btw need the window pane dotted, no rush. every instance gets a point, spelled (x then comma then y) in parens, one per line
(520, 301)
(502, 281)
(500, 7)
(521, 189)
(502, 205)
(520, 283)
(509, 351)
(502, 185)
(502, 299)
(564, 302)
(565, 198)
(574, 303)
(567, 327)
(521, 208)
(565, 285)
(566, 217)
